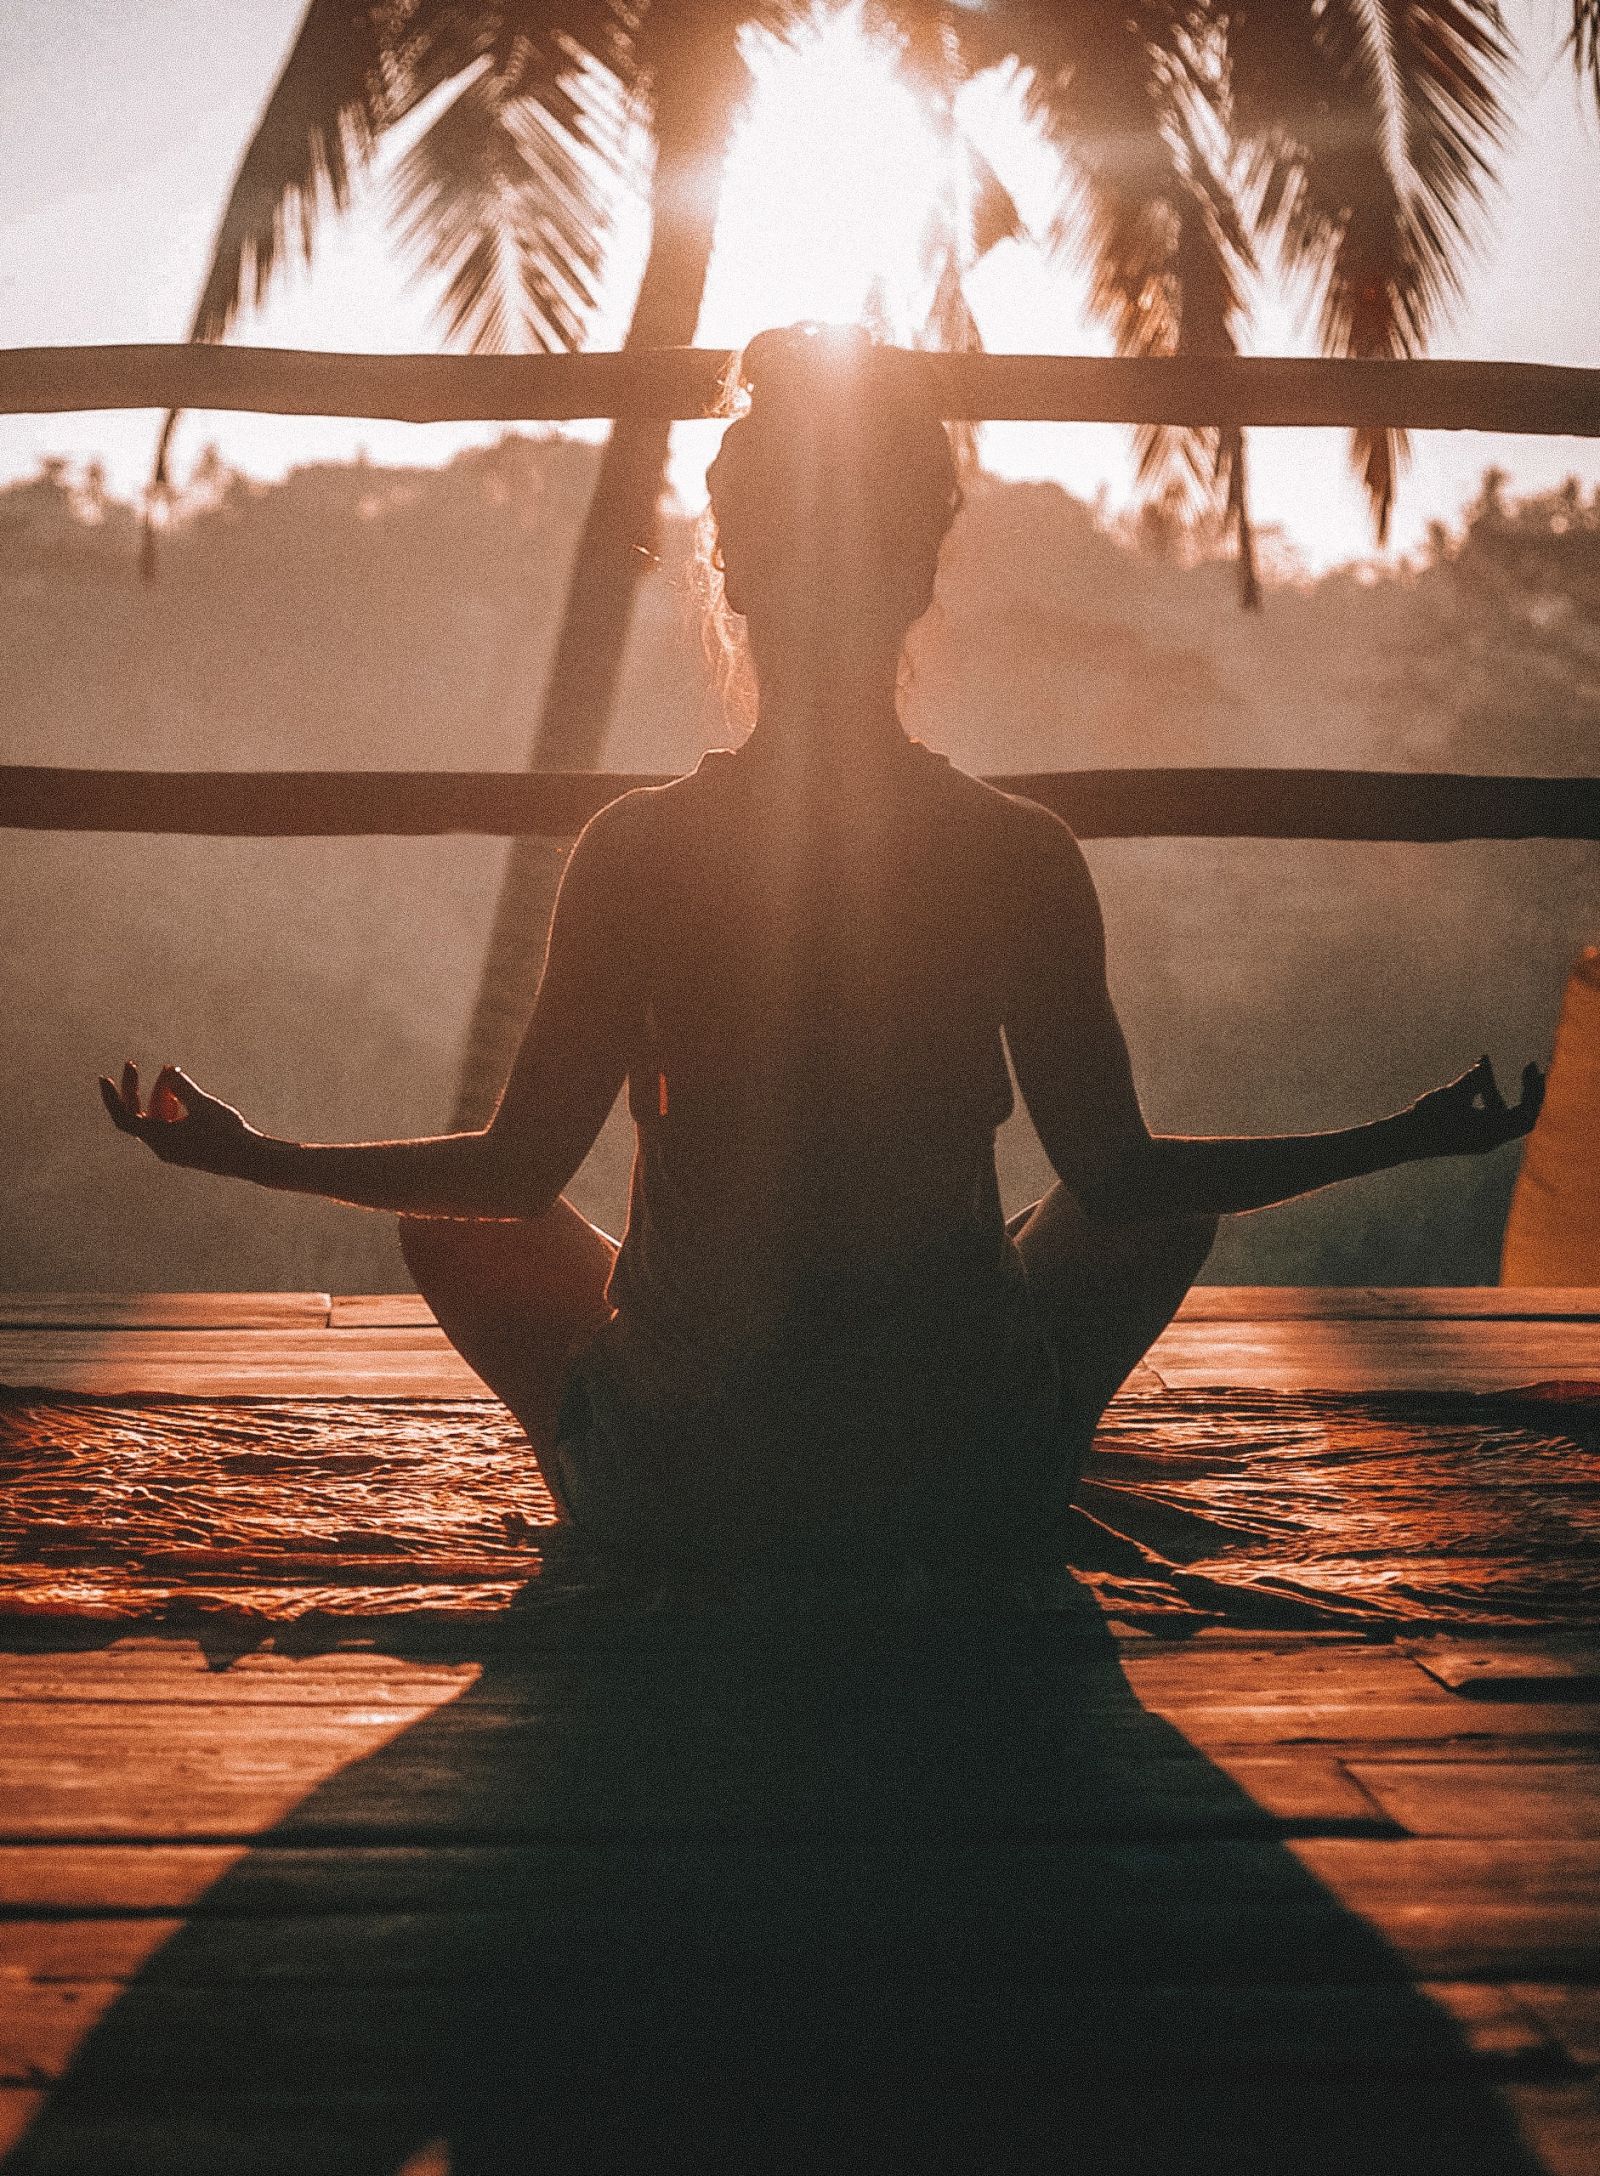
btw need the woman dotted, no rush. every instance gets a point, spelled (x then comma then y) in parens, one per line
(807, 962)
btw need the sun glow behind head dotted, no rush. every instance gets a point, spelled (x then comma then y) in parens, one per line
(830, 185)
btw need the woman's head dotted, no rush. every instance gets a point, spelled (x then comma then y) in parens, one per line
(833, 491)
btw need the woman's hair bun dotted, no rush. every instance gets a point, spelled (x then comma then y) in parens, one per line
(806, 361)
(834, 455)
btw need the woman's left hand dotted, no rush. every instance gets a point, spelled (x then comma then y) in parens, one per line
(1469, 1117)
(182, 1124)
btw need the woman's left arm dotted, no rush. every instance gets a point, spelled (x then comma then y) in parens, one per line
(566, 1077)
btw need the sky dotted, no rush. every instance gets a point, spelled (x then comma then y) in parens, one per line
(121, 122)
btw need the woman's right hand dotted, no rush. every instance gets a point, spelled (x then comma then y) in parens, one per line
(182, 1124)
(1470, 1116)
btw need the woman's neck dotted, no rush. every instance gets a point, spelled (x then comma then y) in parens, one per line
(843, 732)
(836, 704)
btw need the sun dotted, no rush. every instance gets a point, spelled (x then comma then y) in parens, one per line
(829, 196)
(831, 184)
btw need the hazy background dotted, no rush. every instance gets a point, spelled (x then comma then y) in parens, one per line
(354, 616)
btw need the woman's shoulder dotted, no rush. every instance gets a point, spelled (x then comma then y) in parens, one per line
(1014, 824)
(634, 836)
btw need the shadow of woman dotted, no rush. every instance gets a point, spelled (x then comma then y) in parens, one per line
(743, 1894)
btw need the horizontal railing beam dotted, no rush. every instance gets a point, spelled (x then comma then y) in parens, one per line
(1542, 398)
(1424, 807)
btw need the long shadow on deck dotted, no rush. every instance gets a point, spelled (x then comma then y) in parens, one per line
(749, 1899)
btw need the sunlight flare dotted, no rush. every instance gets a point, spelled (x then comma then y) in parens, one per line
(832, 183)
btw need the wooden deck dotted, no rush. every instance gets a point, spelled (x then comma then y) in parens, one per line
(756, 1894)
(1272, 1337)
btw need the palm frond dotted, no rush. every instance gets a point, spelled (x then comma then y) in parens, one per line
(1126, 98)
(1367, 127)
(1585, 39)
(509, 209)
(359, 66)
(333, 98)
(331, 102)
(355, 69)
(994, 215)
(574, 57)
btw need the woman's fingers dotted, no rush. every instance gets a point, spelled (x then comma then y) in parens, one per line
(172, 1099)
(116, 1104)
(168, 1100)
(1486, 1087)
(1469, 1116)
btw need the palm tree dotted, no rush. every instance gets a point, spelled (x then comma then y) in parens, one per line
(1352, 138)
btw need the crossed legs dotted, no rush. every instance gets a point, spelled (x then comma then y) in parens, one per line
(516, 1300)
(1105, 1291)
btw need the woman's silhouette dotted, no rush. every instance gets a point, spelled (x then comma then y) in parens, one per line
(807, 962)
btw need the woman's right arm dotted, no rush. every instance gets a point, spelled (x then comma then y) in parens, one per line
(1072, 1065)
(565, 1079)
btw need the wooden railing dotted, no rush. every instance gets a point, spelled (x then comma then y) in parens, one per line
(1427, 806)
(1540, 398)
(1203, 803)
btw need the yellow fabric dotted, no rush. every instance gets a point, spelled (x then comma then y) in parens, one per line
(1553, 1230)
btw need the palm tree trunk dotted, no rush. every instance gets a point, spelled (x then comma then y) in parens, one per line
(692, 136)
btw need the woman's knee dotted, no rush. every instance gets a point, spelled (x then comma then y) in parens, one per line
(551, 1270)
(435, 1247)
(1192, 1238)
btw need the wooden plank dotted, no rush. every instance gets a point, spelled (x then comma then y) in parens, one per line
(1313, 2126)
(1545, 1668)
(1135, 1917)
(164, 1310)
(1486, 1798)
(198, 1342)
(57, 1752)
(1345, 1722)
(408, 1310)
(1376, 1355)
(1354, 1303)
(1015, 1912)
(1559, 2123)
(413, 1376)
(1558, 1303)
(414, 1359)
(163, 1672)
(684, 383)
(1257, 1676)
(1123, 803)
(380, 1311)
(1483, 1909)
(1281, 1303)
(1276, 1670)
(377, 2036)
(20, 2109)
(373, 1363)
(144, 2138)
(171, 1879)
(233, 1774)
(1571, 2016)
(1379, 1879)
(159, 1669)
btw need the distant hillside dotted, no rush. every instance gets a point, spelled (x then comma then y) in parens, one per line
(362, 617)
